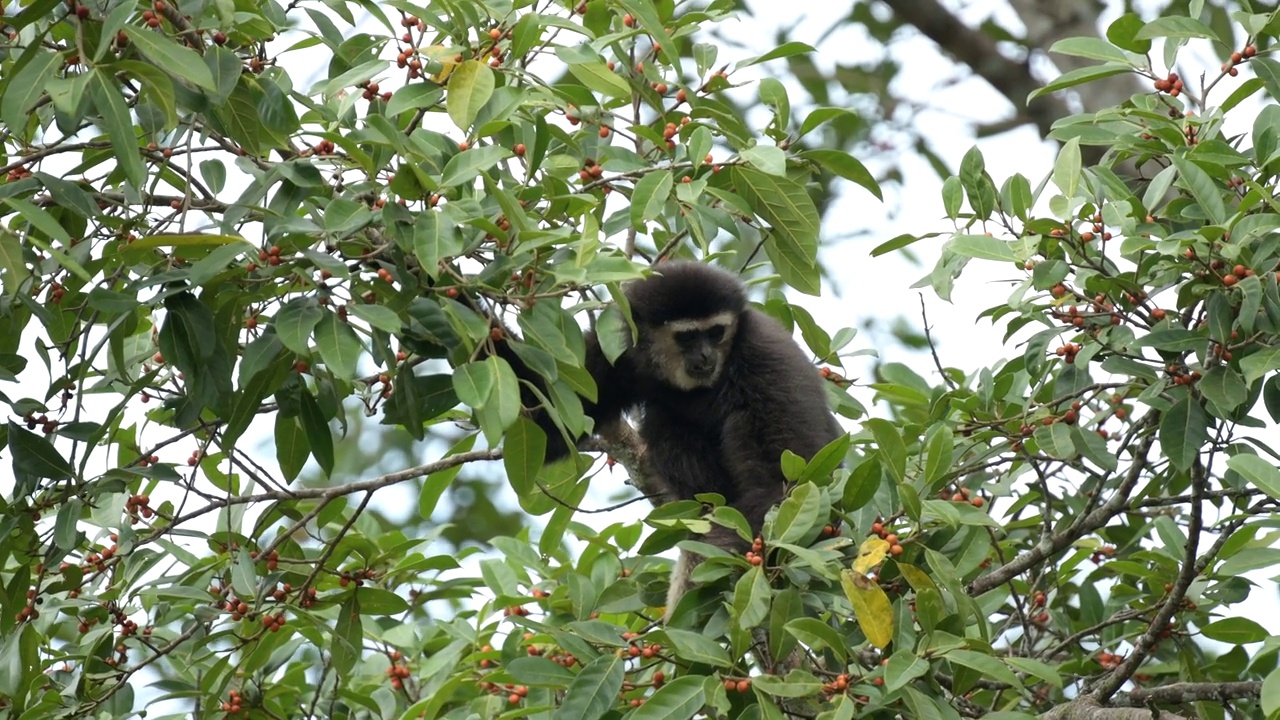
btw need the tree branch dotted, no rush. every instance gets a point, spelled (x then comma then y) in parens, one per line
(1189, 692)
(976, 49)
(1087, 708)
(1050, 544)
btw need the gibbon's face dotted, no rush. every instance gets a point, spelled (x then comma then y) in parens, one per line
(691, 354)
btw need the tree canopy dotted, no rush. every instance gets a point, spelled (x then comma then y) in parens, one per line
(254, 259)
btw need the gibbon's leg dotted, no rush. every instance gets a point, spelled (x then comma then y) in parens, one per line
(679, 582)
(682, 573)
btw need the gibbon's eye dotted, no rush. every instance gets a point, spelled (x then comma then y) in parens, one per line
(686, 338)
(715, 333)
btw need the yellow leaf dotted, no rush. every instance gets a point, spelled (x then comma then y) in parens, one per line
(446, 56)
(870, 606)
(871, 554)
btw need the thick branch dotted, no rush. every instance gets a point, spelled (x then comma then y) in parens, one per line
(328, 493)
(1086, 708)
(974, 48)
(1189, 692)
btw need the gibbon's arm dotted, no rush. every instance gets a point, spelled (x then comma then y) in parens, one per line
(614, 393)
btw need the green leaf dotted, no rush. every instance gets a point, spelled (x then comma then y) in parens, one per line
(437, 482)
(171, 57)
(12, 263)
(376, 601)
(338, 345)
(846, 166)
(541, 672)
(65, 534)
(789, 210)
(752, 597)
(1089, 47)
(1236, 631)
(434, 239)
(41, 220)
(292, 448)
(826, 460)
(594, 691)
(823, 115)
(348, 636)
(470, 87)
(1184, 429)
(466, 165)
(940, 443)
(1123, 32)
(796, 684)
(982, 247)
(474, 382)
(1044, 671)
(1056, 441)
(1176, 340)
(524, 449)
(214, 174)
(782, 51)
(1080, 76)
(902, 668)
(1224, 387)
(504, 400)
(115, 115)
(767, 159)
(1259, 364)
(649, 197)
(24, 88)
(897, 243)
(1270, 699)
(693, 647)
(681, 698)
(319, 437)
(414, 96)
(1176, 26)
(1262, 473)
(952, 196)
(1066, 169)
(985, 665)
(378, 316)
(646, 12)
(294, 323)
(893, 451)
(817, 635)
(1202, 188)
(599, 78)
(799, 514)
(36, 456)
(225, 69)
(355, 77)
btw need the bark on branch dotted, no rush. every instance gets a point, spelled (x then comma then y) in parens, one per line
(1011, 78)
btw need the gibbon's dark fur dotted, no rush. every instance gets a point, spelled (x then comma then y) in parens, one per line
(722, 432)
